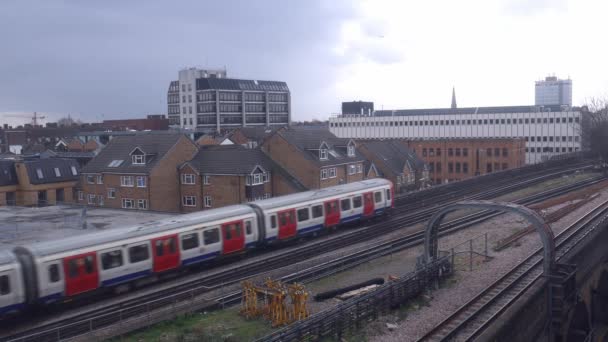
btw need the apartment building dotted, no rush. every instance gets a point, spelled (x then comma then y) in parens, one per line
(137, 171)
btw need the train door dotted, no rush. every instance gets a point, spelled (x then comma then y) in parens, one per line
(287, 223)
(332, 213)
(234, 237)
(368, 204)
(81, 274)
(166, 253)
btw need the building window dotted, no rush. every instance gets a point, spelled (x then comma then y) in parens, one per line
(111, 193)
(450, 152)
(188, 178)
(438, 153)
(424, 154)
(359, 168)
(457, 167)
(505, 152)
(465, 167)
(457, 152)
(465, 152)
(352, 169)
(39, 173)
(206, 180)
(138, 159)
(207, 201)
(323, 154)
(91, 199)
(126, 181)
(255, 179)
(99, 179)
(74, 171)
(332, 172)
(496, 151)
(450, 167)
(438, 167)
(142, 204)
(57, 172)
(351, 150)
(324, 174)
(128, 203)
(189, 201)
(489, 152)
(80, 195)
(141, 181)
(100, 200)
(90, 179)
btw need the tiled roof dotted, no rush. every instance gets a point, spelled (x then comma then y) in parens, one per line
(257, 133)
(229, 160)
(47, 168)
(309, 140)
(237, 84)
(7, 172)
(155, 146)
(394, 154)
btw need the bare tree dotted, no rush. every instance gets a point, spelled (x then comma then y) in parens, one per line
(595, 126)
(68, 121)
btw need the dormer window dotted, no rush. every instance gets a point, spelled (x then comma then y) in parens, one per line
(350, 149)
(323, 154)
(138, 159)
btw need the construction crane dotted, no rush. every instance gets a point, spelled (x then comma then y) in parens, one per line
(34, 118)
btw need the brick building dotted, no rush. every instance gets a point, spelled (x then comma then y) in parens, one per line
(223, 175)
(35, 181)
(396, 162)
(151, 122)
(456, 159)
(315, 157)
(137, 172)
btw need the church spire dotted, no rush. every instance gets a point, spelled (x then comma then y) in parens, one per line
(453, 98)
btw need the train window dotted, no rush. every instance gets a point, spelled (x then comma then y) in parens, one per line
(73, 268)
(211, 236)
(248, 229)
(171, 243)
(273, 221)
(111, 259)
(378, 196)
(138, 253)
(357, 203)
(388, 195)
(303, 214)
(238, 229)
(53, 273)
(345, 204)
(317, 211)
(159, 248)
(88, 264)
(189, 241)
(228, 232)
(5, 285)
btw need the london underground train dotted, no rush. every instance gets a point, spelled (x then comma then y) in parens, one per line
(118, 259)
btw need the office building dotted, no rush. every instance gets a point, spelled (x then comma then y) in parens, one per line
(553, 91)
(358, 107)
(206, 100)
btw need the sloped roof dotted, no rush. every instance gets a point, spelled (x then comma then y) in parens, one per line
(119, 148)
(238, 84)
(47, 167)
(257, 133)
(7, 172)
(394, 154)
(229, 160)
(309, 140)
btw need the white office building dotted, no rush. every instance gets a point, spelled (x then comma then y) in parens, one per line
(548, 130)
(553, 91)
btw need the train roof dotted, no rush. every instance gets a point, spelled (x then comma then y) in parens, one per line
(306, 196)
(117, 234)
(7, 257)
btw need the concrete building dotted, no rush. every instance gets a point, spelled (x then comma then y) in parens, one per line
(553, 91)
(207, 100)
(547, 131)
(358, 107)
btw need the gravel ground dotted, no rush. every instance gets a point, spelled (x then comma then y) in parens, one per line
(467, 284)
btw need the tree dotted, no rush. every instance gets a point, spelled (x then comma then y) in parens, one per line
(595, 127)
(68, 122)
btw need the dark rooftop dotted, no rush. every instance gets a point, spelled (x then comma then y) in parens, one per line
(7, 172)
(394, 154)
(116, 157)
(229, 160)
(51, 170)
(237, 84)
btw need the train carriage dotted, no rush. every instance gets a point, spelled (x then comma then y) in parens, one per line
(12, 295)
(81, 264)
(312, 211)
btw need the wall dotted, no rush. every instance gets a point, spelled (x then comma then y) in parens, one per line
(290, 158)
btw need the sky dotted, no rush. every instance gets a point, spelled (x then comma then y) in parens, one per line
(96, 60)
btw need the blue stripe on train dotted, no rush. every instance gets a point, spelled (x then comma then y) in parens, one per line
(310, 229)
(350, 218)
(12, 308)
(125, 278)
(51, 298)
(200, 258)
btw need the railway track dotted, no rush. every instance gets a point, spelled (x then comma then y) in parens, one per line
(471, 319)
(205, 284)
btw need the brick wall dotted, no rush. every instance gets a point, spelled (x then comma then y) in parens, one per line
(112, 181)
(195, 190)
(290, 158)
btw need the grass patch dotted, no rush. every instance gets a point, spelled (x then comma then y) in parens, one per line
(221, 326)
(548, 185)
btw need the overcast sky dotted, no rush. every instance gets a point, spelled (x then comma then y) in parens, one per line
(109, 59)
